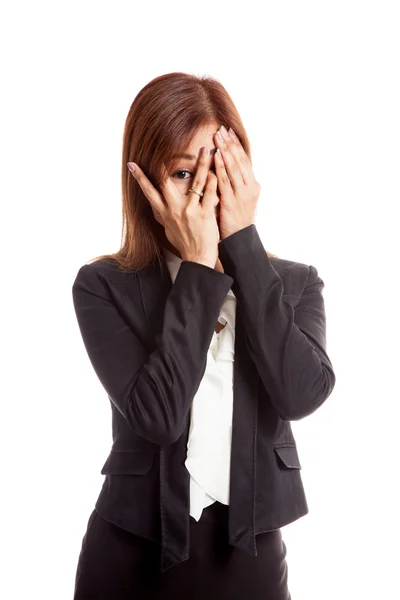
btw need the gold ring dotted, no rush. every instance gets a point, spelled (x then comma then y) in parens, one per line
(196, 192)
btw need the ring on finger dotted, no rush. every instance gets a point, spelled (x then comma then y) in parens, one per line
(195, 191)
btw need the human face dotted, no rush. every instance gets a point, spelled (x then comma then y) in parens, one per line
(183, 174)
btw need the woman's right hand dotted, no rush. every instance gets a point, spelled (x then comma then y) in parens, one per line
(189, 221)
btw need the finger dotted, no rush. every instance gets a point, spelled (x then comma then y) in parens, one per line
(148, 189)
(224, 183)
(173, 198)
(243, 161)
(200, 177)
(231, 166)
(168, 188)
(210, 198)
(241, 157)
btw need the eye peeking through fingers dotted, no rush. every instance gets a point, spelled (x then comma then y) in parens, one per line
(177, 174)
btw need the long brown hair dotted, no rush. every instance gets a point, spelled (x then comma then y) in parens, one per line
(164, 116)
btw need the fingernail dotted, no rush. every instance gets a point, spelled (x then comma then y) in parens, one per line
(224, 131)
(232, 134)
(131, 167)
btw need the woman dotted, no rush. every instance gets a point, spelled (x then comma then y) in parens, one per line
(207, 347)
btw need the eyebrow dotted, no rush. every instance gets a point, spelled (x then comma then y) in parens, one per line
(190, 156)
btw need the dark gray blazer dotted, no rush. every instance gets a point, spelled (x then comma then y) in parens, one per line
(147, 340)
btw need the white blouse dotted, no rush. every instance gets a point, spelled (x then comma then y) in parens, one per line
(210, 434)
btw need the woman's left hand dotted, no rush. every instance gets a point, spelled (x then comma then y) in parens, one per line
(239, 190)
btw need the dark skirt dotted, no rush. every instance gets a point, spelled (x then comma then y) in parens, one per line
(115, 564)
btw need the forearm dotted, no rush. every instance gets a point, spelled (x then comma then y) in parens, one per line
(153, 391)
(287, 345)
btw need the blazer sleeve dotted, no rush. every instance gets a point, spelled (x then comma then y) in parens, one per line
(287, 344)
(153, 391)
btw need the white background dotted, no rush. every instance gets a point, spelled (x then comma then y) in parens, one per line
(317, 86)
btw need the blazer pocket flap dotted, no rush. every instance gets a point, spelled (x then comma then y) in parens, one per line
(128, 462)
(289, 456)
